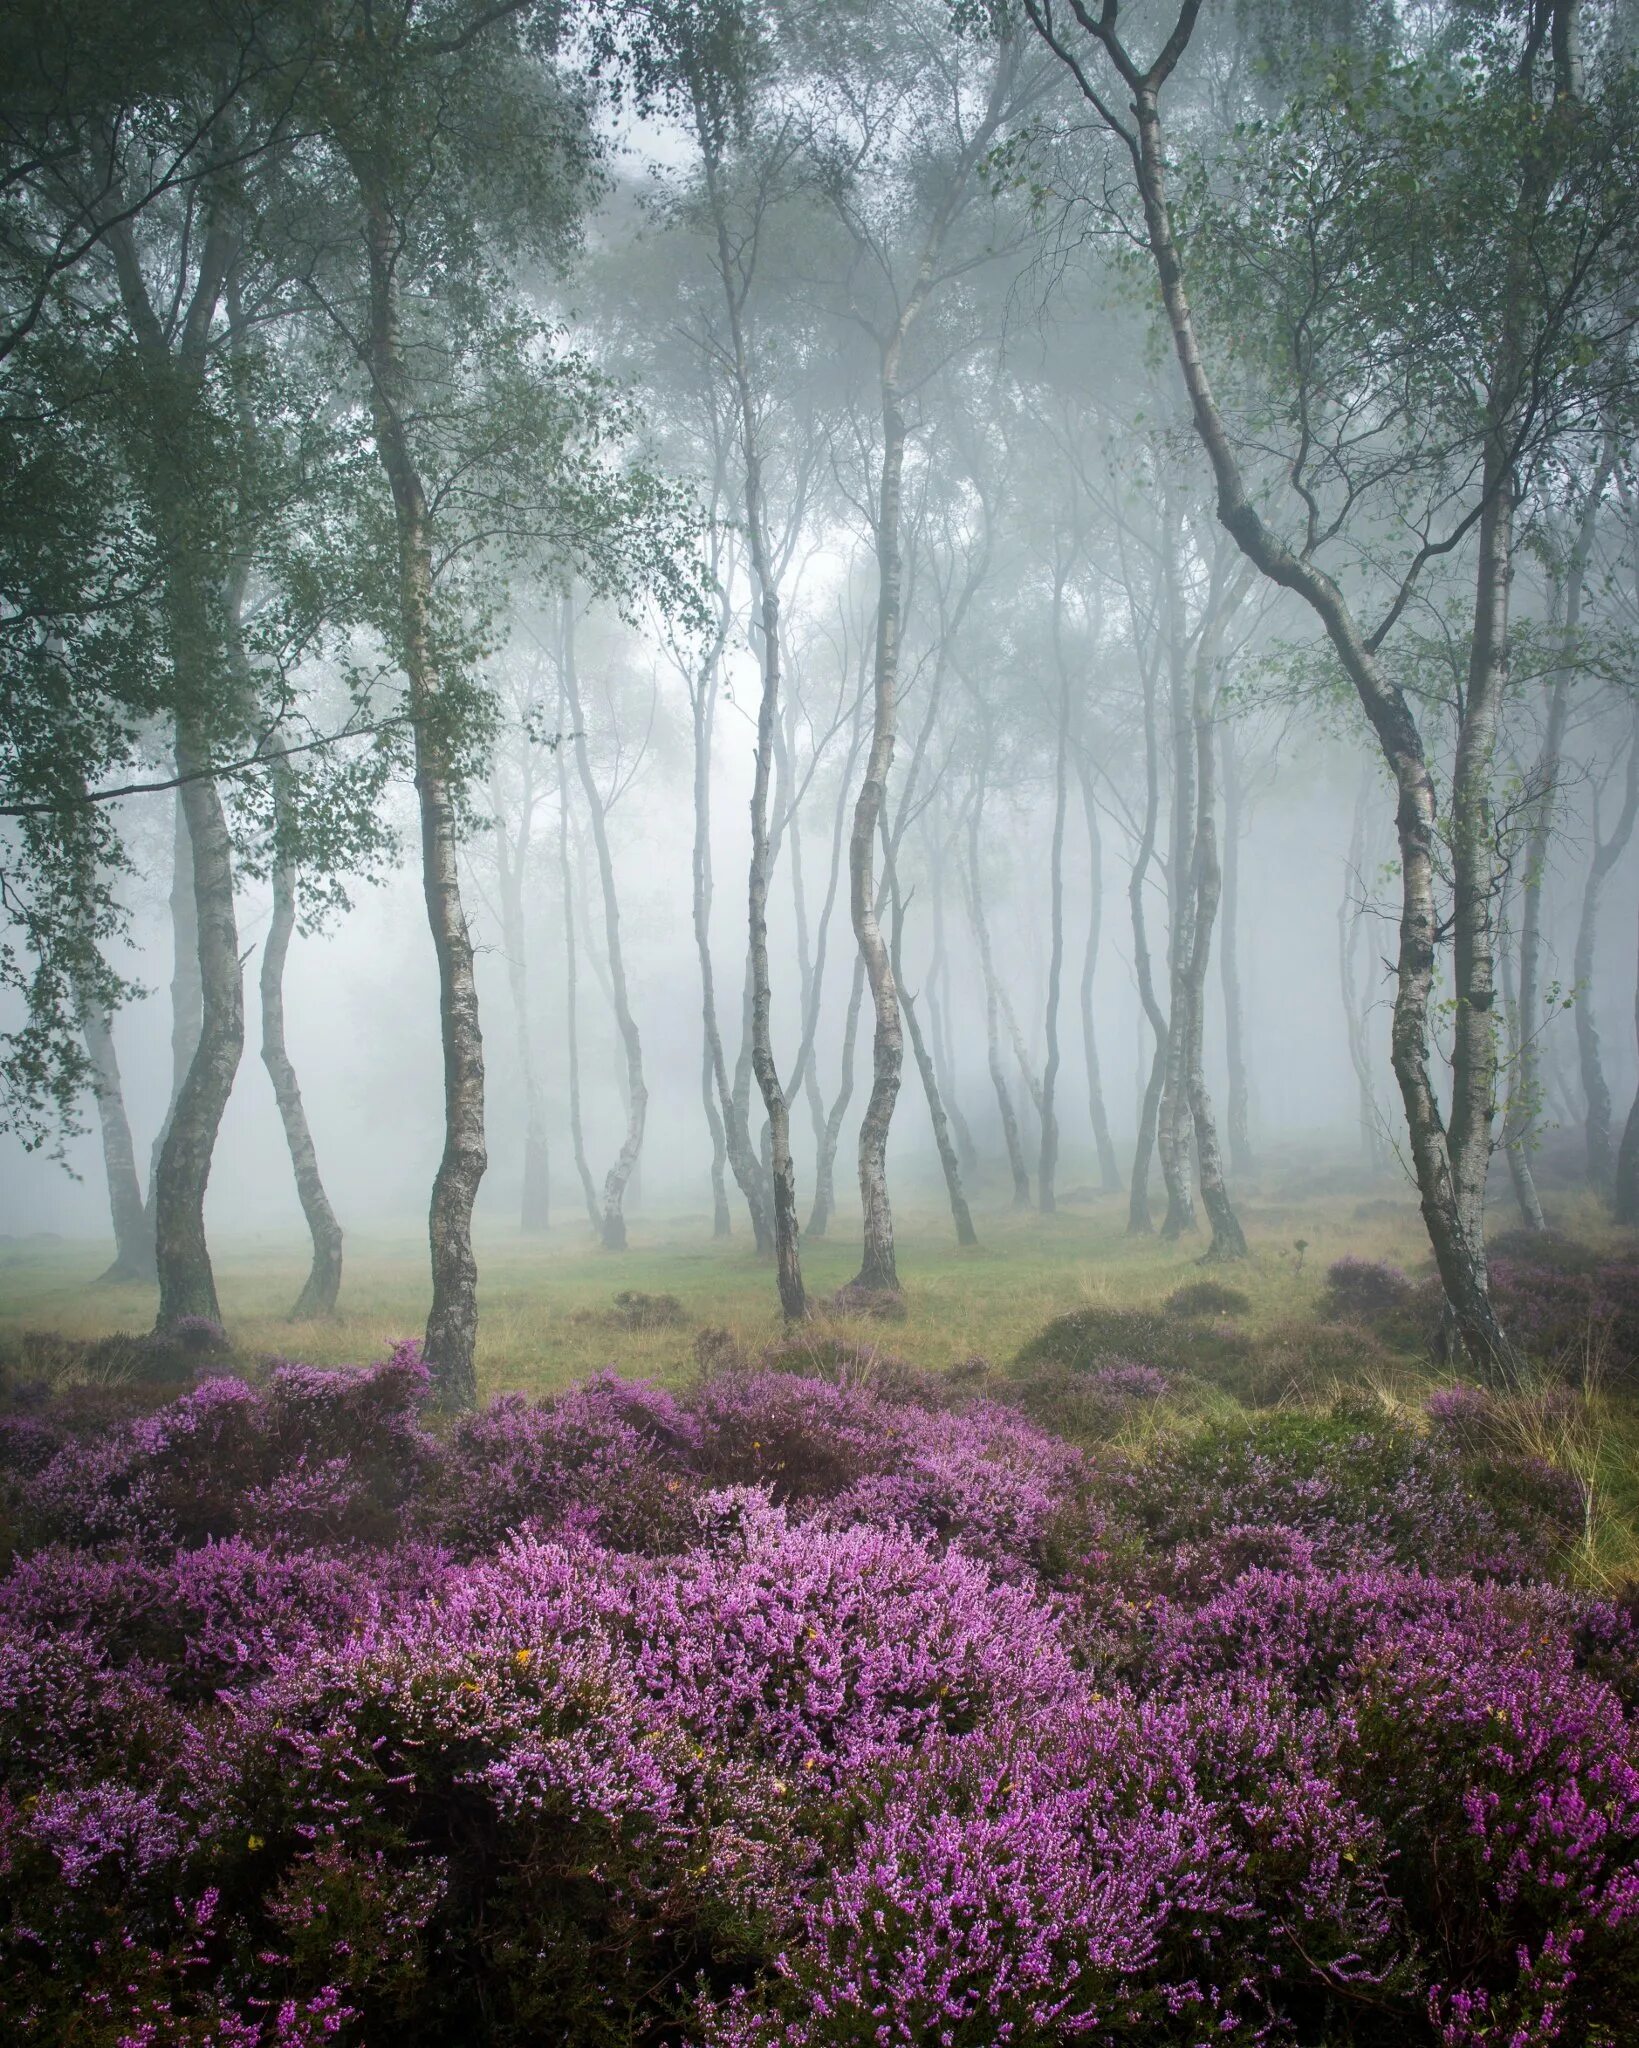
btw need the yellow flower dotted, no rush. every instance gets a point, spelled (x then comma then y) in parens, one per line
(521, 1659)
(253, 1842)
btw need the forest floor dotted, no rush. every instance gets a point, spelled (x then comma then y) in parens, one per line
(547, 1303)
(550, 1316)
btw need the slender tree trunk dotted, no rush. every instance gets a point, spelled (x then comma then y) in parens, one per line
(877, 1267)
(452, 1322)
(729, 1137)
(950, 1165)
(187, 1286)
(133, 1225)
(1240, 1094)
(1349, 916)
(612, 1228)
(825, 1200)
(1519, 1166)
(535, 1203)
(1047, 1164)
(993, 1039)
(186, 1003)
(782, 1176)
(1109, 1168)
(323, 1285)
(939, 1009)
(1139, 1220)
(1625, 1205)
(1173, 1131)
(1228, 1239)
(571, 1000)
(1596, 1092)
(1445, 1159)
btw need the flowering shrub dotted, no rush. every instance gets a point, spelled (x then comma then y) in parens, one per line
(825, 1707)
(1363, 1290)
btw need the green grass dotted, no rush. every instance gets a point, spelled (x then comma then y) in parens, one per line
(545, 1305)
(1026, 1270)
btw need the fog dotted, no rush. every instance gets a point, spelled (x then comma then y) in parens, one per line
(639, 491)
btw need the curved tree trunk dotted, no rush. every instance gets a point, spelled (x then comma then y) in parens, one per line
(1228, 1239)
(612, 1227)
(1239, 1106)
(323, 1284)
(452, 1321)
(187, 1285)
(878, 1269)
(133, 1225)
(1449, 1162)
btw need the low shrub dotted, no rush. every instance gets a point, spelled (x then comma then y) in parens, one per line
(1208, 1298)
(802, 1710)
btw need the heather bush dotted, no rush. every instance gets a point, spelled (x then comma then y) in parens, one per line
(1208, 1298)
(1364, 1290)
(1087, 1336)
(817, 1705)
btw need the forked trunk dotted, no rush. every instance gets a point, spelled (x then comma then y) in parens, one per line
(187, 1286)
(612, 1225)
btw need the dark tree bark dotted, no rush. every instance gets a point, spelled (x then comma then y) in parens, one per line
(1239, 1106)
(612, 1227)
(452, 1322)
(1109, 1169)
(199, 621)
(323, 1285)
(133, 1225)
